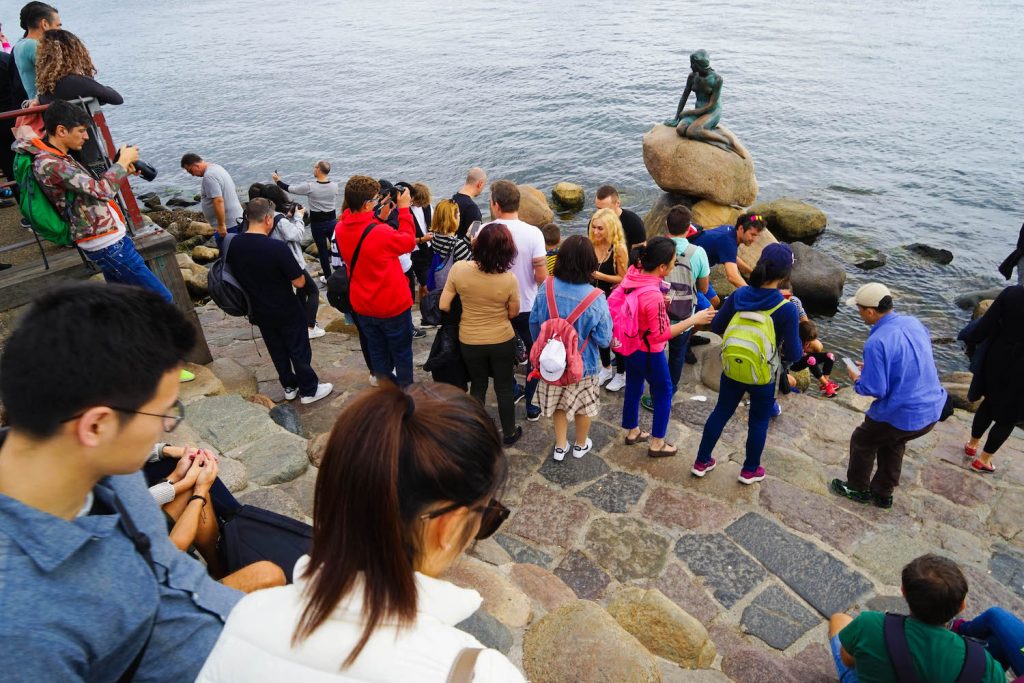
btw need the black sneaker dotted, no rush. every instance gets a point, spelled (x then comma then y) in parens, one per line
(510, 439)
(532, 413)
(841, 488)
(518, 393)
(417, 333)
(697, 340)
(884, 502)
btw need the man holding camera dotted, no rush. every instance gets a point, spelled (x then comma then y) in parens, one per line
(219, 198)
(378, 287)
(96, 224)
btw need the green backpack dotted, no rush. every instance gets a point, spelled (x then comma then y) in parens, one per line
(749, 350)
(37, 208)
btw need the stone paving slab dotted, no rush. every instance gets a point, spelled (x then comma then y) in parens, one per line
(273, 459)
(488, 630)
(1007, 567)
(728, 571)
(958, 485)
(617, 492)
(522, 552)
(777, 618)
(823, 581)
(573, 471)
(627, 548)
(228, 422)
(548, 517)
(812, 513)
(675, 508)
(683, 589)
(584, 577)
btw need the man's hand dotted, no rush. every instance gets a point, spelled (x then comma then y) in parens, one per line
(276, 177)
(404, 199)
(127, 155)
(855, 374)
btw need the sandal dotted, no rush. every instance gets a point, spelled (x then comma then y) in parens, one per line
(642, 437)
(979, 466)
(969, 452)
(665, 451)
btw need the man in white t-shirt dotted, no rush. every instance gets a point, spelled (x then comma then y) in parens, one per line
(530, 269)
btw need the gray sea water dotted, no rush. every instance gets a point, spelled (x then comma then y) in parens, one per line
(902, 121)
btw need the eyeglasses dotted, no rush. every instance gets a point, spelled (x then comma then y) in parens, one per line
(171, 422)
(493, 516)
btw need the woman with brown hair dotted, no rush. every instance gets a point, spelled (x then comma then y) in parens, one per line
(64, 71)
(490, 300)
(408, 480)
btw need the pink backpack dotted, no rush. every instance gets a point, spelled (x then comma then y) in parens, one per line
(624, 305)
(556, 356)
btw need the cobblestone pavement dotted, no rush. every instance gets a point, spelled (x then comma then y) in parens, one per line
(761, 567)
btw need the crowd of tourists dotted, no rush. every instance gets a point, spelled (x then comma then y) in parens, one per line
(112, 563)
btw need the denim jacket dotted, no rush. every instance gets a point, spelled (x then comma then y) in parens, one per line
(595, 324)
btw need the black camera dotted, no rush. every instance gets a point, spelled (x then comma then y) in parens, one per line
(147, 172)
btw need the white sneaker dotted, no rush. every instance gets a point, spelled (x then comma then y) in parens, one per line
(316, 332)
(373, 380)
(322, 391)
(323, 280)
(618, 381)
(579, 451)
(560, 453)
(290, 394)
(605, 375)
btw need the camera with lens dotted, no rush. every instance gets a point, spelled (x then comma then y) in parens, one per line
(147, 172)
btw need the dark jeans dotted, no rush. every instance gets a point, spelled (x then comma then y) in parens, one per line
(121, 263)
(521, 325)
(389, 343)
(983, 419)
(730, 393)
(322, 233)
(677, 357)
(289, 349)
(309, 297)
(878, 440)
(362, 342)
(606, 360)
(1003, 634)
(652, 367)
(234, 230)
(497, 361)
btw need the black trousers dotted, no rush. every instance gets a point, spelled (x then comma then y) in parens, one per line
(493, 360)
(309, 297)
(983, 419)
(322, 232)
(874, 440)
(289, 348)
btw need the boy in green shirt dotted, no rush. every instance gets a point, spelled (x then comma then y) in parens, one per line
(936, 591)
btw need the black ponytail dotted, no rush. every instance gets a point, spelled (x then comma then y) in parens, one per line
(765, 271)
(657, 251)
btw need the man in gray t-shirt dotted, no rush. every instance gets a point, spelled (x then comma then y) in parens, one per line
(219, 198)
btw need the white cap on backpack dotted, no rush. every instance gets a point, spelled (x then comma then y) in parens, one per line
(552, 360)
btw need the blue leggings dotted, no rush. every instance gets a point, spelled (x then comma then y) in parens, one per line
(653, 367)
(762, 398)
(1003, 634)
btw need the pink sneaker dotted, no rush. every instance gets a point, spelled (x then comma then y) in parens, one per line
(699, 468)
(748, 477)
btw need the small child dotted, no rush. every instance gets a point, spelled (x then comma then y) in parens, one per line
(816, 359)
(552, 238)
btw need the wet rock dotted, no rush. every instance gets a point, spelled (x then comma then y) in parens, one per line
(941, 256)
(568, 196)
(654, 220)
(237, 378)
(583, 576)
(617, 492)
(627, 548)
(274, 500)
(523, 552)
(548, 517)
(543, 587)
(728, 571)
(981, 309)
(203, 254)
(683, 589)
(582, 642)
(275, 459)
(969, 300)
(502, 598)
(287, 416)
(180, 202)
(198, 229)
(664, 628)
(817, 279)
(872, 263)
(698, 169)
(533, 206)
(488, 630)
(708, 214)
(792, 220)
(777, 618)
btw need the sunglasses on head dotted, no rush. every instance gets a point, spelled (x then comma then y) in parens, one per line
(493, 516)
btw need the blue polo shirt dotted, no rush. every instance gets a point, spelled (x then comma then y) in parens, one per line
(77, 599)
(899, 372)
(719, 243)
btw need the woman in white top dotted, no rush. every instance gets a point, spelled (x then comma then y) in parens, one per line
(407, 482)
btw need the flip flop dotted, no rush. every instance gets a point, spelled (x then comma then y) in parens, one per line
(979, 466)
(642, 437)
(667, 451)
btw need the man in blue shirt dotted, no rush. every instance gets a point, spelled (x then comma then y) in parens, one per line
(93, 589)
(722, 246)
(899, 372)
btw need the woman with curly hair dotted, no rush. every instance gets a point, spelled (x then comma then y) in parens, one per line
(605, 233)
(64, 71)
(489, 294)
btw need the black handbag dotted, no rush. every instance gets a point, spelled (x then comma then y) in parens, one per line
(253, 534)
(339, 282)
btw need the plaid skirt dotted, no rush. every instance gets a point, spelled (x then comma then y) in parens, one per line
(582, 398)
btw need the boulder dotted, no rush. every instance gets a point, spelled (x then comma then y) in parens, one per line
(502, 599)
(817, 279)
(710, 358)
(971, 299)
(750, 254)
(201, 254)
(155, 208)
(719, 282)
(174, 228)
(273, 459)
(205, 384)
(179, 202)
(237, 378)
(708, 214)
(568, 196)
(582, 642)
(873, 262)
(698, 169)
(315, 448)
(152, 201)
(146, 196)
(981, 309)
(957, 385)
(654, 220)
(941, 256)
(549, 591)
(663, 627)
(792, 220)
(287, 416)
(196, 228)
(533, 206)
(195, 280)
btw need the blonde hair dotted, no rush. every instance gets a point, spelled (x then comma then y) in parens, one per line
(612, 230)
(444, 221)
(61, 54)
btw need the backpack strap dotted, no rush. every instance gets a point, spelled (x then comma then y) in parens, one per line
(899, 652)
(359, 246)
(462, 667)
(975, 662)
(549, 289)
(580, 308)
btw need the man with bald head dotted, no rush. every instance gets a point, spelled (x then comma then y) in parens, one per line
(464, 197)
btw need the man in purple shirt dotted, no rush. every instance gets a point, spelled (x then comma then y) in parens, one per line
(899, 372)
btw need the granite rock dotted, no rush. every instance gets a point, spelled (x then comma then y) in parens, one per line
(616, 492)
(675, 508)
(627, 548)
(792, 220)
(542, 586)
(523, 552)
(698, 169)
(817, 279)
(548, 517)
(236, 378)
(228, 422)
(708, 214)
(274, 500)
(573, 471)
(777, 618)
(585, 578)
(533, 206)
(232, 474)
(568, 196)
(664, 628)
(275, 459)
(502, 598)
(683, 589)
(287, 416)
(488, 630)
(727, 570)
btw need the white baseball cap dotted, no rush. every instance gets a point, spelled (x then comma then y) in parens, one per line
(870, 295)
(552, 360)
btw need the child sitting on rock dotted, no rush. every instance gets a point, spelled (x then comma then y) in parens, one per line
(818, 361)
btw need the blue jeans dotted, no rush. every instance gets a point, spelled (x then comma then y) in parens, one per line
(234, 230)
(1003, 634)
(389, 343)
(762, 398)
(652, 367)
(122, 264)
(846, 674)
(677, 357)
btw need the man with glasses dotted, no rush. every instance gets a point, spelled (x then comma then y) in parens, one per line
(93, 589)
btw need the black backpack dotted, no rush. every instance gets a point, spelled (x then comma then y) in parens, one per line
(224, 289)
(339, 281)
(975, 661)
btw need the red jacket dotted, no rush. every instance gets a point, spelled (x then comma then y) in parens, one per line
(378, 287)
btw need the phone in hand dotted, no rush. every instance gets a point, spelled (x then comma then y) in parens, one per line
(474, 230)
(851, 365)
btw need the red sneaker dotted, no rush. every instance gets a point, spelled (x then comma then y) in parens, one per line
(829, 390)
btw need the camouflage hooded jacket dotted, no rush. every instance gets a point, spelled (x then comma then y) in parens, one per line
(91, 210)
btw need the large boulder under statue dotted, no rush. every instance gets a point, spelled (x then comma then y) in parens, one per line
(698, 169)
